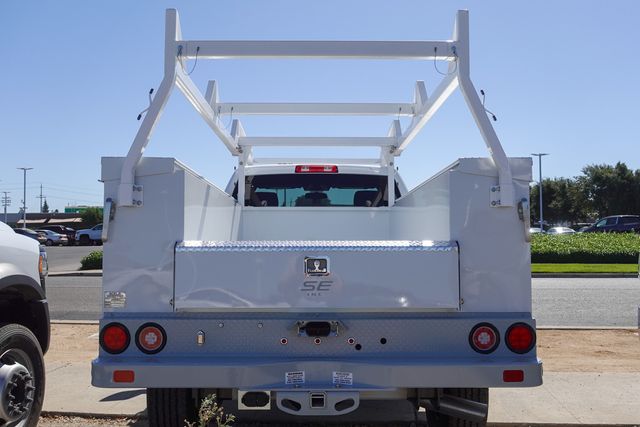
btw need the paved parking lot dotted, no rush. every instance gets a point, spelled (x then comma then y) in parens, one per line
(67, 258)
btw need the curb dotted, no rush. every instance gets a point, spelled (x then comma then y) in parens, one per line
(98, 273)
(586, 328)
(74, 322)
(85, 273)
(584, 275)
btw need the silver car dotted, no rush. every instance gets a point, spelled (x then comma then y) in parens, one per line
(560, 230)
(54, 238)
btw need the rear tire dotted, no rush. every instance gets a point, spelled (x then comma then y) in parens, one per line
(170, 407)
(84, 240)
(477, 394)
(18, 344)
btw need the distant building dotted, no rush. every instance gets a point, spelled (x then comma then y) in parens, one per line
(35, 220)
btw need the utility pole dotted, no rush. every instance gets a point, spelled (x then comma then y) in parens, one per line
(24, 196)
(41, 197)
(539, 155)
(6, 201)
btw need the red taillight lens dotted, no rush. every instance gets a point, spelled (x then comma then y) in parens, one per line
(513, 376)
(484, 338)
(124, 376)
(114, 338)
(520, 338)
(316, 169)
(151, 338)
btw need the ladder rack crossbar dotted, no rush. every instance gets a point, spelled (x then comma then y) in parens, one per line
(316, 109)
(317, 49)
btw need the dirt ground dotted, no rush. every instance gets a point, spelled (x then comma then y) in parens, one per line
(616, 350)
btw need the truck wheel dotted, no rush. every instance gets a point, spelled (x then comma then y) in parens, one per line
(170, 407)
(21, 376)
(84, 240)
(477, 394)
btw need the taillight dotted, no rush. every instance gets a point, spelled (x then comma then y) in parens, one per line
(520, 338)
(151, 338)
(114, 338)
(316, 169)
(513, 376)
(124, 376)
(484, 338)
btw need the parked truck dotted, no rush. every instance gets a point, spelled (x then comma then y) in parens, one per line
(311, 285)
(24, 328)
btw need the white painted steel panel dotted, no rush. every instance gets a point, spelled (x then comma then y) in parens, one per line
(363, 276)
(178, 204)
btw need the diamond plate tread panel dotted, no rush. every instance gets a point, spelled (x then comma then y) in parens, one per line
(315, 245)
(405, 338)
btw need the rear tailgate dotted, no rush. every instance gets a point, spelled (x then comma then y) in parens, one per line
(317, 275)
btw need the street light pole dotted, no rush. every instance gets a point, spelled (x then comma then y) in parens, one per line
(539, 155)
(24, 199)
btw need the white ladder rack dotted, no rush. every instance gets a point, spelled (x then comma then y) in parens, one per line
(454, 51)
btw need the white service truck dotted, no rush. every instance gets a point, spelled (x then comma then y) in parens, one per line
(24, 328)
(310, 285)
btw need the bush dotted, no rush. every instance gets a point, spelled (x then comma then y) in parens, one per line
(93, 261)
(588, 248)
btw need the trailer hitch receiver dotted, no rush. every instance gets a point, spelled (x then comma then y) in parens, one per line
(318, 328)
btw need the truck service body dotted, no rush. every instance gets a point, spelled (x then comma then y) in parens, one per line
(312, 284)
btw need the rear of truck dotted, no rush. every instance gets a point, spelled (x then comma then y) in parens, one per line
(312, 285)
(314, 296)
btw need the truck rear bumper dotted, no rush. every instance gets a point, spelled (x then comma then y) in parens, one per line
(271, 374)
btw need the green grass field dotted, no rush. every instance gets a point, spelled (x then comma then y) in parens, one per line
(584, 268)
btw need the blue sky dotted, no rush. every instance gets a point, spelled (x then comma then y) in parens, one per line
(562, 77)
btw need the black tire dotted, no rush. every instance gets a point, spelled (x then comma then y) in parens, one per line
(170, 407)
(477, 394)
(18, 344)
(49, 242)
(84, 240)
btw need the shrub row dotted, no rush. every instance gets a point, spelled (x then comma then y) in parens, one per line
(93, 261)
(589, 248)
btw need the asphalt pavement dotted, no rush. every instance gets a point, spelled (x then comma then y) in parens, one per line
(67, 258)
(586, 301)
(556, 302)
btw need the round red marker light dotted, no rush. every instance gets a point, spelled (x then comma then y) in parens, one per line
(484, 338)
(114, 338)
(150, 338)
(520, 338)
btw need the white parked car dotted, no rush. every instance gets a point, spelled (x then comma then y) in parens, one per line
(561, 230)
(90, 236)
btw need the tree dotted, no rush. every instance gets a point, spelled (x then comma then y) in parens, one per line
(45, 207)
(92, 216)
(612, 190)
(600, 191)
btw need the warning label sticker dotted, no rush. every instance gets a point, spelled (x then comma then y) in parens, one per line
(296, 377)
(343, 378)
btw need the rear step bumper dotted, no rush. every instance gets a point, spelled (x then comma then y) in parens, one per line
(271, 373)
